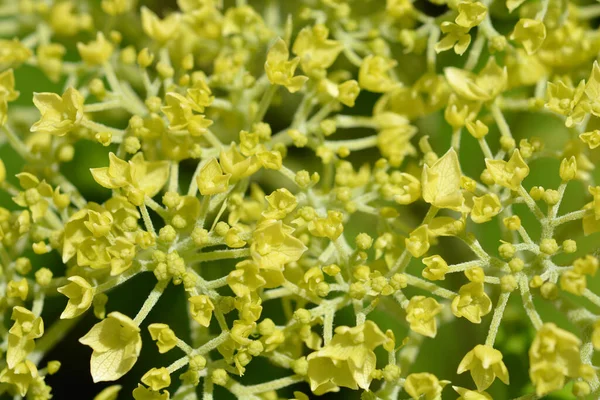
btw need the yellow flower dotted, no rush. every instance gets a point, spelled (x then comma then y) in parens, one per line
(530, 33)
(34, 195)
(17, 289)
(485, 86)
(157, 378)
(398, 8)
(436, 268)
(96, 52)
(109, 393)
(101, 236)
(460, 112)
(160, 30)
(485, 364)
(470, 14)
(402, 187)
(456, 36)
(374, 74)
(164, 336)
(142, 393)
(13, 53)
(80, 294)
(445, 226)
(236, 165)
(117, 7)
(280, 71)
(420, 314)
(441, 182)
(485, 208)
(180, 112)
(573, 282)
(553, 356)
(50, 60)
(201, 308)
(393, 139)
(59, 114)
(21, 335)
(281, 202)
(509, 173)
(316, 52)
(245, 278)
(424, 386)
(65, 20)
(418, 241)
(7, 93)
(564, 99)
(348, 92)
(592, 138)
(137, 176)
(471, 302)
(348, 360)
(116, 345)
(466, 394)
(22, 376)
(273, 245)
(330, 227)
(211, 179)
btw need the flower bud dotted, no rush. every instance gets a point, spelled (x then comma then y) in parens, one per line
(568, 169)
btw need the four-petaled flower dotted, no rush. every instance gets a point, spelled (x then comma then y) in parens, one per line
(59, 114)
(116, 345)
(348, 360)
(138, 177)
(485, 364)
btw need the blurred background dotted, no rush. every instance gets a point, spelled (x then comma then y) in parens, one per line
(439, 356)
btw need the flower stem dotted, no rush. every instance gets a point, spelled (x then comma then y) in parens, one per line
(151, 301)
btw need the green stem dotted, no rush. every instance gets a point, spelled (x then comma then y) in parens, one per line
(532, 313)
(147, 220)
(151, 301)
(212, 344)
(430, 287)
(182, 362)
(496, 319)
(264, 104)
(500, 120)
(219, 255)
(353, 144)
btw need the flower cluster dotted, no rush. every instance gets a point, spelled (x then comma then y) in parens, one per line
(366, 168)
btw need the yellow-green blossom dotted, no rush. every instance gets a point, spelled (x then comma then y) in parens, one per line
(424, 386)
(420, 314)
(21, 336)
(116, 345)
(530, 33)
(7, 93)
(273, 245)
(509, 173)
(59, 114)
(201, 308)
(348, 360)
(472, 302)
(137, 176)
(21, 376)
(316, 52)
(281, 71)
(441, 182)
(553, 357)
(163, 335)
(80, 294)
(485, 364)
